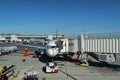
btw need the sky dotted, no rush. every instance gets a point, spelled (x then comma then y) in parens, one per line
(66, 16)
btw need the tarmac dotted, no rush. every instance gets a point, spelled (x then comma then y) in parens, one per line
(67, 70)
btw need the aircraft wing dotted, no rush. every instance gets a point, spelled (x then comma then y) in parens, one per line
(38, 47)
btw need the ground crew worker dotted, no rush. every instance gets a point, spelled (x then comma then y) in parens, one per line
(26, 53)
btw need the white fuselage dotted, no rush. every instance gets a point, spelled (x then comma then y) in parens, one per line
(52, 48)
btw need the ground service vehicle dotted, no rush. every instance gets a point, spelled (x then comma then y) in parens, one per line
(6, 70)
(8, 49)
(31, 75)
(51, 67)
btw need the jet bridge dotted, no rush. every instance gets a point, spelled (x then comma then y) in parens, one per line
(104, 45)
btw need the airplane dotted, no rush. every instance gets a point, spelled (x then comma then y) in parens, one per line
(57, 47)
(52, 48)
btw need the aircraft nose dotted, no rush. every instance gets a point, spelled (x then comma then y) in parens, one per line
(52, 52)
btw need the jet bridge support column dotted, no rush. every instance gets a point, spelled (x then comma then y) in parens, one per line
(84, 57)
(82, 45)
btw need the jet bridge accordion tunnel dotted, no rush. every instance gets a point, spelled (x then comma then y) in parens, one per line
(101, 46)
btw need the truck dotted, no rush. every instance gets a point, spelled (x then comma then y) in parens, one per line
(8, 49)
(31, 75)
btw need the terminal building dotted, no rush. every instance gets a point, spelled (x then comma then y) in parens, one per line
(26, 38)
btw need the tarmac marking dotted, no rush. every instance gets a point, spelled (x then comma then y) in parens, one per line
(108, 72)
(68, 75)
(86, 74)
(72, 66)
(34, 67)
(91, 74)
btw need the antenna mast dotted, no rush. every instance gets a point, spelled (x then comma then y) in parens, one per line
(57, 33)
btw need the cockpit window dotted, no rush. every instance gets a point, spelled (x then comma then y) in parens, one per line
(53, 46)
